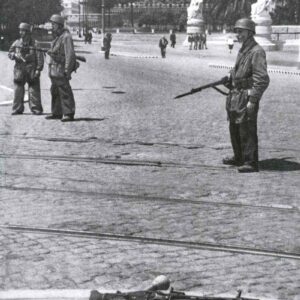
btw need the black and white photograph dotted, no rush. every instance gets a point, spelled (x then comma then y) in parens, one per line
(150, 150)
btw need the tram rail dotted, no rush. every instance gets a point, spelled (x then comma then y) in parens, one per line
(156, 241)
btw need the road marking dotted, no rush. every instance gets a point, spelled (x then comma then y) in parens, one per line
(6, 88)
(270, 70)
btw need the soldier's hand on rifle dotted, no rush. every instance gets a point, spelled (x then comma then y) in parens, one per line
(251, 107)
(37, 74)
(11, 56)
(68, 76)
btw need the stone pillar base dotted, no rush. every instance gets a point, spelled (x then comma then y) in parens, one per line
(194, 26)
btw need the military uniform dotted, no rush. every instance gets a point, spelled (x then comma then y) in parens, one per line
(62, 64)
(28, 61)
(249, 80)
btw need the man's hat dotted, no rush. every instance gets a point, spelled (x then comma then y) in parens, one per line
(57, 19)
(24, 26)
(245, 24)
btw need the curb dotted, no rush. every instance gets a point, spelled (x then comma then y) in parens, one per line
(270, 70)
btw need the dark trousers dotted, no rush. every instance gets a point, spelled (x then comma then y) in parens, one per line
(163, 52)
(173, 44)
(34, 95)
(244, 142)
(106, 54)
(63, 102)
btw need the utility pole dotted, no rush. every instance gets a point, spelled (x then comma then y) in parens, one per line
(131, 14)
(103, 17)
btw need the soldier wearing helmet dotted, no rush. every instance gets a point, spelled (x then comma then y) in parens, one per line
(62, 64)
(28, 65)
(248, 81)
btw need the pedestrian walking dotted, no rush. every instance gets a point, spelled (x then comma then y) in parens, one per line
(62, 64)
(163, 42)
(230, 43)
(107, 44)
(173, 39)
(248, 81)
(28, 66)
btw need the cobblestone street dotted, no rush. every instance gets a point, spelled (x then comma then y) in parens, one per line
(137, 163)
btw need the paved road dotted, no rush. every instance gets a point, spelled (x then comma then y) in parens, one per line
(84, 176)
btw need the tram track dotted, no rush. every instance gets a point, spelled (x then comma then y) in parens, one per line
(154, 241)
(111, 161)
(144, 198)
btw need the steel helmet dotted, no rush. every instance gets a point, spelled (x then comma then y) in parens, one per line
(57, 19)
(24, 26)
(245, 24)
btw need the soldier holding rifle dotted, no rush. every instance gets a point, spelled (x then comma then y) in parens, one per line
(28, 66)
(248, 81)
(62, 64)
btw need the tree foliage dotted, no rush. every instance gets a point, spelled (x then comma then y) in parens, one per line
(13, 12)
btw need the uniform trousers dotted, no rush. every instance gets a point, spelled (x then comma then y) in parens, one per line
(63, 102)
(34, 95)
(244, 142)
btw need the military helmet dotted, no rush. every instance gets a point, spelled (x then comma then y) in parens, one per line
(24, 26)
(57, 19)
(245, 24)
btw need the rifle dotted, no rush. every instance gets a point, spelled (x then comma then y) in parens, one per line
(176, 295)
(213, 85)
(47, 51)
(155, 293)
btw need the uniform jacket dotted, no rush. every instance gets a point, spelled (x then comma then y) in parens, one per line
(249, 80)
(163, 42)
(31, 61)
(106, 43)
(62, 60)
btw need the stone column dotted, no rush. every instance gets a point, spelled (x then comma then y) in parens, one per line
(260, 14)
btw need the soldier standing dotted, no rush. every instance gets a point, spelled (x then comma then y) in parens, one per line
(173, 39)
(28, 66)
(163, 42)
(62, 64)
(107, 44)
(249, 79)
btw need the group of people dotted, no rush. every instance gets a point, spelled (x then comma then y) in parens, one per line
(29, 62)
(197, 41)
(246, 82)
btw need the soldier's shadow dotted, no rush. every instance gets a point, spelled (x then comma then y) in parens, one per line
(279, 165)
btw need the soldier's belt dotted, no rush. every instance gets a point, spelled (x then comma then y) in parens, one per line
(243, 83)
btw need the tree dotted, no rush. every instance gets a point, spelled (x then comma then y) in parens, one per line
(34, 12)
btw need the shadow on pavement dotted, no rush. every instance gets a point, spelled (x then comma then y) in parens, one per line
(279, 164)
(88, 119)
(118, 92)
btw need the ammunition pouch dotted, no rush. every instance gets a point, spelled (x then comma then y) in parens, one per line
(243, 83)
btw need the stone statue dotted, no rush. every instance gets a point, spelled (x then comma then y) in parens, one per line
(195, 10)
(262, 8)
(195, 23)
(260, 14)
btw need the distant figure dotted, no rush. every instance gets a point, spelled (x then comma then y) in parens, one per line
(191, 41)
(107, 44)
(197, 41)
(173, 39)
(163, 42)
(203, 40)
(230, 43)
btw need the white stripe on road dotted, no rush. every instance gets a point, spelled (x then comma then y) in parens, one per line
(6, 88)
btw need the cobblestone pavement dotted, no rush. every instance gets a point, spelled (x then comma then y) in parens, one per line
(83, 176)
